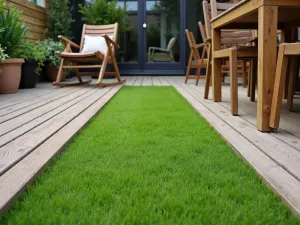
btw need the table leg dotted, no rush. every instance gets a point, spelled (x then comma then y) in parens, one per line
(267, 54)
(216, 66)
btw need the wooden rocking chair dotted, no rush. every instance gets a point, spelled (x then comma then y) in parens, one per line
(100, 59)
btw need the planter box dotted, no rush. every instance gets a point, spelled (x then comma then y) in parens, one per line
(10, 75)
(29, 76)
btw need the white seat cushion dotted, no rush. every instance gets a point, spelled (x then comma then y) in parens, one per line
(94, 44)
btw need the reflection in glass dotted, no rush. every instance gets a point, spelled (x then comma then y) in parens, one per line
(163, 31)
(129, 40)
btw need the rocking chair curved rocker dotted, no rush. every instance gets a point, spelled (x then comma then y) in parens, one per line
(101, 60)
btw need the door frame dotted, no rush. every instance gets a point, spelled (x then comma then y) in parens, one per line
(142, 67)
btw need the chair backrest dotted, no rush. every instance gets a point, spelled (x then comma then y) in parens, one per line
(99, 30)
(212, 10)
(202, 31)
(171, 44)
(229, 37)
(192, 43)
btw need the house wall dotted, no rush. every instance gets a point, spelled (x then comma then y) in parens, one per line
(34, 16)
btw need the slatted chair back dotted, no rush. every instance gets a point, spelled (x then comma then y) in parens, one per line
(99, 30)
(229, 37)
(202, 31)
(192, 43)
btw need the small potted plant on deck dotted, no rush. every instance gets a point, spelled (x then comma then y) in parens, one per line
(35, 57)
(52, 60)
(11, 38)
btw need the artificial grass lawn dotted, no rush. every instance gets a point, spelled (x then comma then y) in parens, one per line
(148, 158)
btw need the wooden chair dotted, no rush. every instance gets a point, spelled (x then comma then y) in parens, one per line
(234, 45)
(286, 50)
(94, 59)
(195, 61)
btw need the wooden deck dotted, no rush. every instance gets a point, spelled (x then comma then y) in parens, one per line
(36, 124)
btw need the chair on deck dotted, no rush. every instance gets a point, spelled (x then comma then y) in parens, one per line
(195, 61)
(286, 51)
(97, 49)
(156, 54)
(235, 45)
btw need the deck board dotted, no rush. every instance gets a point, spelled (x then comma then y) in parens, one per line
(14, 151)
(36, 124)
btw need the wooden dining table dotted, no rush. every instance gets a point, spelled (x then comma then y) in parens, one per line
(267, 17)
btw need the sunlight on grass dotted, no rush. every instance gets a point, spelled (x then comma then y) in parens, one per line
(148, 158)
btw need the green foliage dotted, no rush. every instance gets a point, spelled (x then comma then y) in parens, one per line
(51, 47)
(30, 51)
(3, 56)
(2, 4)
(59, 19)
(12, 30)
(101, 12)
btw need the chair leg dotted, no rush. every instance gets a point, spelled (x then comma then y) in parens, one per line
(208, 78)
(198, 72)
(249, 77)
(233, 82)
(244, 74)
(116, 73)
(188, 70)
(102, 70)
(280, 76)
(253, 80)
(292, 83)
(60, 72)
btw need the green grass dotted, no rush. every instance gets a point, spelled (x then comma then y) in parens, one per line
(148, 158)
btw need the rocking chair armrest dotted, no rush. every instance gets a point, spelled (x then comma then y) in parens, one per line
(208, 40)
(199, 46)
(67, 41)
(111, 41)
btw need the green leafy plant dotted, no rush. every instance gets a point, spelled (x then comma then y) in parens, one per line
(12, 30)
(30, 51)
(51, 47)
(2, 4)
(3, 56)
(101, 12)
(59, 19)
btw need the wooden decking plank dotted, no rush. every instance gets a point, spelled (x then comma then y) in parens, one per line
(282, 134)
(286, 123)
(147, 81)
(33, 101)
(22, 124)
(8, 100)
(163, 81)
(14, 151)
(130, 80)
(281, 153)
(277, 178)
(16, 179)
(138, 81)
(156, 81)
(27, 107)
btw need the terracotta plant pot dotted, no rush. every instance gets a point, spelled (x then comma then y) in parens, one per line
(52, 72)
(10, 75)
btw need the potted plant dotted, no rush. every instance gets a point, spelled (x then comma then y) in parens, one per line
(52, 59)
(11, 38)
(59, 19)
(101, 12)
(35, 57)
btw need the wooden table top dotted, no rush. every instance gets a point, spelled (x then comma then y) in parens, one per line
(245, 14)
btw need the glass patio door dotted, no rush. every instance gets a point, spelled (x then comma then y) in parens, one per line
(162, 34)
(154, 41)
